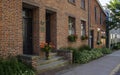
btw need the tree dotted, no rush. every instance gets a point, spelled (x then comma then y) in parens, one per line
(114, 7)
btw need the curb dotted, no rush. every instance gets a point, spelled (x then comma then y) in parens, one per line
(115, 70)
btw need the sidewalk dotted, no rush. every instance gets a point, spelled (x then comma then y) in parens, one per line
(102, 66)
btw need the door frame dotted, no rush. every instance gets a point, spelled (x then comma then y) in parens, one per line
(28, 32)
(92, 38)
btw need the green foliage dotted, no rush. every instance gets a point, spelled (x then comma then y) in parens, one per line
(86, 56)
(84, 37)
(99, 42)
(13, 67)
(72, 38)
(114, 7)
(106, 51)
(116, 46)
(84, 47)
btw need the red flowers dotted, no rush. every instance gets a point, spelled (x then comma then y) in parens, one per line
(46, 47)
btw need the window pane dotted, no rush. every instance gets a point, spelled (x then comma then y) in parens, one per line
(71, 25)
(83, 28)
(83, 4)
(72, 1)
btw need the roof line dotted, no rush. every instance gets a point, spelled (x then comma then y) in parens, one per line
(101, 6)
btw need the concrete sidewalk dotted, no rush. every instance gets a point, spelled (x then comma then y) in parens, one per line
(102, 66)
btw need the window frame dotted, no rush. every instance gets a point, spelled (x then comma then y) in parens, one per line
(83, 4)
(101, 21)
(72, 2)
(95, 14)
(70, 31)
(83, 30)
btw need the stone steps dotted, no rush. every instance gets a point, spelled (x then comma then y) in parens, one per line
(53, 59)
(52, 65)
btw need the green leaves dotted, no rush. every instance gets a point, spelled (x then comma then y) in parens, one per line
(114, 7)
(13, 67)
(85, 56)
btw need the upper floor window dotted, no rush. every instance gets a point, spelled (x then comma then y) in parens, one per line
(83, 28)
(83, 4)
(71, 25)
(95, 12)
(71, 1)
(101, 18)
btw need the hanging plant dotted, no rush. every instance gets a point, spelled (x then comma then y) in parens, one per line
(99, 42)
(72, 38)
(84, 37)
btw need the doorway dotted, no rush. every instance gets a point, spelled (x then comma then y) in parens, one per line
(51, 27)
(92, 38)
(27, 31)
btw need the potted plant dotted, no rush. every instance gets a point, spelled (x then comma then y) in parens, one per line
(99, 42)
(46, 48)
(84, 37)
(72, 38)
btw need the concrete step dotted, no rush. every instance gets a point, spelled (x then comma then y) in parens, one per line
(52, 59)
(53, 54)
(52, 65)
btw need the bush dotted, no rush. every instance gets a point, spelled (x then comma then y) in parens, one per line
(96, 53)
(86, 56)
(13, 67)
(116, 46)
(84, 47)
(106, 51)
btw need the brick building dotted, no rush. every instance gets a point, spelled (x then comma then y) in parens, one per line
(24, 24)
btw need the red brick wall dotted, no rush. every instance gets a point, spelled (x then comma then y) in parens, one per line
(11, 39)
(11, 28)
(95, 25)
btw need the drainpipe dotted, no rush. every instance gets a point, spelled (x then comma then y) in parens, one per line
(89, 22)
(107, 34)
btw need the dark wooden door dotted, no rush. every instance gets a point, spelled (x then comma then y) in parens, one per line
(92, 38)
(48, 31)
(27, 33)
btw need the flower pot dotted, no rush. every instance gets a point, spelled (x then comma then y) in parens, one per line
(47, 57)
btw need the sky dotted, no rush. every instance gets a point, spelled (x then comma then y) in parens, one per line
(103, 2)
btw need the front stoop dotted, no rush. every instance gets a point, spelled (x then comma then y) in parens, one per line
(53, 63)
(43, 65)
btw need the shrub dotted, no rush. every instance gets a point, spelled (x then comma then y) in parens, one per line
(13, 67)
(84, 47)
(106, 51)
(116, 46)
(86, 56)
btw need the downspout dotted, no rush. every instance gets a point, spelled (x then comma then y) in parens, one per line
(89, 22)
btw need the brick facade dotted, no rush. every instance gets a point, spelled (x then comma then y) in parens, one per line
(11, 28)
(95, 25)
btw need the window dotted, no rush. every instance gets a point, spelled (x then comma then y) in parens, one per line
(71, 25)
(95, 10)
(101, 18)
(71, 1)
(83, 28)
(83, 4)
